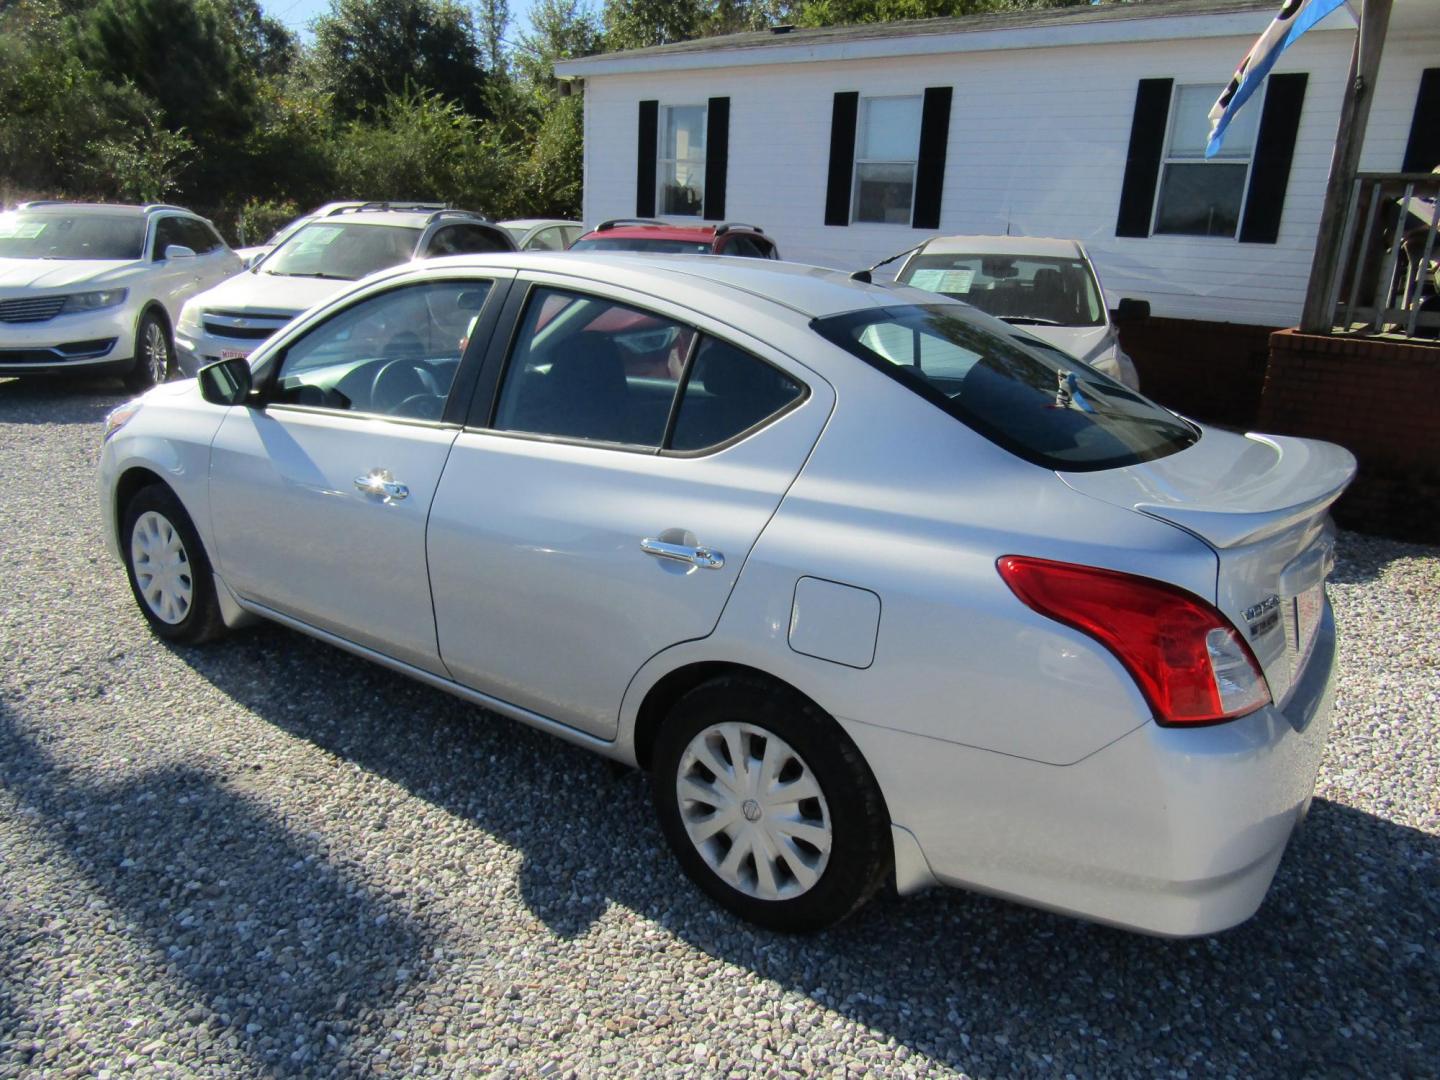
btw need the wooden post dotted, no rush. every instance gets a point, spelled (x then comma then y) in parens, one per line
(1349, 139)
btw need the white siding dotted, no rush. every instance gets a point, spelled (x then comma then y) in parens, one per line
(1037, 146)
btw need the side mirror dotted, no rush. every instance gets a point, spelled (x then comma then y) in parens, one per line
(178, 251)
(226, 382)
(1131, 311)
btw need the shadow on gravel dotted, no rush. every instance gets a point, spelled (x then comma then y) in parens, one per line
(1337, 974)
(265, 943)
(59, 401)
(1364, 558)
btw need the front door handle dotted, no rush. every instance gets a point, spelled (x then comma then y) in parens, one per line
(695, 556)
(381, 483)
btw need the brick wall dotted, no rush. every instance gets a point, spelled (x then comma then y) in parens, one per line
(1380, 400)
(1211, 371)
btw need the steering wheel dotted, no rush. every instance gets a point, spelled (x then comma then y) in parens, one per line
(397, 385)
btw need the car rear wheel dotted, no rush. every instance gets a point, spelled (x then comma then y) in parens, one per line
(154, 354)
(768, 806)
(168, 569)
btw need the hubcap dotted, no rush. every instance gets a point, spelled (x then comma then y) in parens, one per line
(162, 568)
(157, 354)
(753, 810)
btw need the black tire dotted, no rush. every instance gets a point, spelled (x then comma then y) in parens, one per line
(860, 854)
(152, 339)
(199, 620)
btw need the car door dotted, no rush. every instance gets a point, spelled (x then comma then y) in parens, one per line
(589, 516)
(319, 493)
(216, 262)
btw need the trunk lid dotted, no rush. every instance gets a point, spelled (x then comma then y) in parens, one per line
(1260, 503)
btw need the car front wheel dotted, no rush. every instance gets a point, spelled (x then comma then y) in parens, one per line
(768, 806)
(168, 569)
(154, 354)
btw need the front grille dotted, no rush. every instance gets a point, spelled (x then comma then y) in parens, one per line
(244, 325)
(28, 309)
(247, 333)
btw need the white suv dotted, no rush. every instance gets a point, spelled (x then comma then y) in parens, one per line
(314, 262)
(94, 289)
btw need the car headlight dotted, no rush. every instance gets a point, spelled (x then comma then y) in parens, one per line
(118, 418)
(189, 323)
(94, 301)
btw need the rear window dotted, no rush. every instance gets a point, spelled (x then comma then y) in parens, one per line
(642, 243)
(1036, 402)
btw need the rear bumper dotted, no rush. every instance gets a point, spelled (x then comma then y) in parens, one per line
(1167, 831)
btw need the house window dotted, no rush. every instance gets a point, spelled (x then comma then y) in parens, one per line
(681, 160)
(887, 146)
(1200, 196)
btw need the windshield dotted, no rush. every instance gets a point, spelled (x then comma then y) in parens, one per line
(71, 236)
(289, 230)
(640, 243)
(1036, 402)
(1021, 289)
(345, 252)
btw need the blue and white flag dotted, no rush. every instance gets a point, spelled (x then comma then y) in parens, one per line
(1296, 16)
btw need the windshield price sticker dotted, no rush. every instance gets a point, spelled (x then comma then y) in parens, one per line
(20, 230)
(952, 282)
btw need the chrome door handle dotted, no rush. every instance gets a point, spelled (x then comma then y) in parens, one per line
(381, 483)
(695, 556)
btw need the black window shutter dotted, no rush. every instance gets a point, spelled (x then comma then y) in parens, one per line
(1274, 147)
(646, 149)
(930, 170)
(717, 156)
(842, 157)
(1422, 152)
(1142, 160)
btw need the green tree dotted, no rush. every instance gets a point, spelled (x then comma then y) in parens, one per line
(494, 22)
(638, 24)
(848, 12)
(559, 30)
(366, 51)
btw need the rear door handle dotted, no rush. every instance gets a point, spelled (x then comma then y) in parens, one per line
(696, 556)
(381, 483)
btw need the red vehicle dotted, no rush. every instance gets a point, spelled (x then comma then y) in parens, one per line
(646, 234)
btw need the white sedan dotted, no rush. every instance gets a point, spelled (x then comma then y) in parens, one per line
(1048, 287)
(873, 586)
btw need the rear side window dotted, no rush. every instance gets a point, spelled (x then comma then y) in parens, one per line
(728, 392)
(1036, 402)
(592, 369)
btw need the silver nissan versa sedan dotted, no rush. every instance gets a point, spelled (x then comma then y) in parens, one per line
(876, 587)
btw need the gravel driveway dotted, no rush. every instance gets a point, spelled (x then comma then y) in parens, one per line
(269, 857)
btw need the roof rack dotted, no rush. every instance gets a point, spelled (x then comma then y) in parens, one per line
(726, 226)
(40, 202)
(468, 215)
(150, 208)
(411, 207)
(615, 222)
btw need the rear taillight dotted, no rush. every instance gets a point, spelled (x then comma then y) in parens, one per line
(1188, 660)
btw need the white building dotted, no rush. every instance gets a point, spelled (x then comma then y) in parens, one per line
(851, 144)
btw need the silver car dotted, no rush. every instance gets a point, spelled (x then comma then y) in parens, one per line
(874, 586)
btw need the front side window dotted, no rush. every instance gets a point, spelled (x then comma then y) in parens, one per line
(592, 369)
(168, 231)
(1201, 196)
(1035, 402)
(681, 160)
(199, 237)
(71, 236)
(394, 354)
(344, 252)
(887, 147)
(1025, 290)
